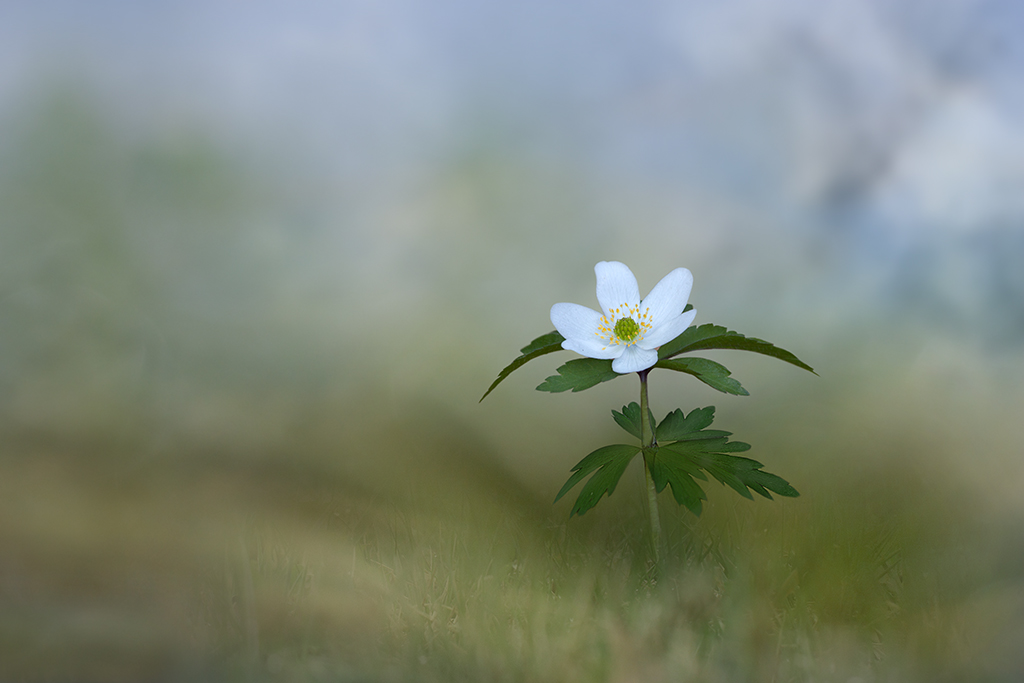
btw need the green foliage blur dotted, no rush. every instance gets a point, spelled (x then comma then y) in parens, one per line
(240, 439)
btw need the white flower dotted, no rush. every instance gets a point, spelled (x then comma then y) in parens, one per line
(630, 330)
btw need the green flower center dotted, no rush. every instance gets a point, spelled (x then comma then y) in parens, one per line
(626, 329)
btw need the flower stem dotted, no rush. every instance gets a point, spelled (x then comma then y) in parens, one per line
(647, 442)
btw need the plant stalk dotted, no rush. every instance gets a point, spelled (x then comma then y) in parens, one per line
(647, 441)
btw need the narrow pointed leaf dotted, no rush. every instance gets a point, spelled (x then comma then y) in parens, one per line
(690, 336)
(544, 344)
(709, 336)
(715, 375)
(579, 374)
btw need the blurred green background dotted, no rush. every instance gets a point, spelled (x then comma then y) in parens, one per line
(258, 262)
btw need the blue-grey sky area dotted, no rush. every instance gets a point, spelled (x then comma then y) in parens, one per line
(849, 162)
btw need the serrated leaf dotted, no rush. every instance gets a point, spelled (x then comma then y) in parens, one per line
(687, 449)
(741, 474)
(609, 462)
(709, 336)
(679, 474)
(677, 426)
(579, 374)
(732, 447)
(715, 375)
(629, 419)
(544, 344)
(772, 482)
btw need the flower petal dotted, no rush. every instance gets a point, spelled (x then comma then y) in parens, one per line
(667, 331)
(593, 349)
(574, 321)
(579, 325)
(616, 285)
(634, 359)
(668, 298)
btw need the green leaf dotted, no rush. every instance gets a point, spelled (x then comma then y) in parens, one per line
(680, 474)
(690, 335)
(602, 456)
(772, 482)
(677, 426)
(687, 449)
(715, 375)
(609, 462)
(709, 336)
(546, 343)
(578, 375)
(741, 474)
(629, 419)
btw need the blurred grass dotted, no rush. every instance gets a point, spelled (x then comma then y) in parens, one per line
(312, 564)
(193, 489)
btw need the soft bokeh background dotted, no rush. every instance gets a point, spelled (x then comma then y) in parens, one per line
(258, 262)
